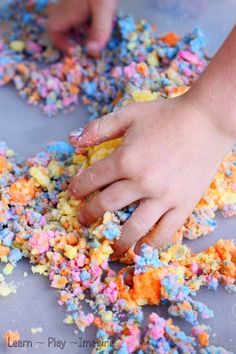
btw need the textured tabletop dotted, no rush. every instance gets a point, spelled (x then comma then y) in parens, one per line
(27, 131)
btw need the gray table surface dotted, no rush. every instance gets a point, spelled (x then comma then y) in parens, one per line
(27, 130)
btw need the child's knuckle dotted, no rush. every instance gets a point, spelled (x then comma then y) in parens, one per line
(91, 179)
(138, 227)
(104, 202)
(123, 161)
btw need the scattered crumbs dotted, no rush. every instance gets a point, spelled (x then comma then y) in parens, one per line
(7, 288)
(36, 330)
(38, 220)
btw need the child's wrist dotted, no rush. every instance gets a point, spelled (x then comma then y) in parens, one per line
(220, 116)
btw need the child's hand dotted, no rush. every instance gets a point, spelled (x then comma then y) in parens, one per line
(68, 14)
(170, 154)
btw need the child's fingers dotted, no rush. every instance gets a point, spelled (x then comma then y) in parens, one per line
(95, 177)
(111, 126)
(61, 18)
(139, 224)
(115, 197)
(102, 24)
(165, 230)
(60, 40)
(58, 20)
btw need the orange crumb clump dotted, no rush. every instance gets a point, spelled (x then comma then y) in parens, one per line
(4, 251)
(22, 191)
(203, 339)
(4, 164)
(11, 336)
(144, 288)
(171, 38)
(142, 68)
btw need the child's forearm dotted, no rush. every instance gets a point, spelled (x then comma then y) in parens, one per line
(214, 94)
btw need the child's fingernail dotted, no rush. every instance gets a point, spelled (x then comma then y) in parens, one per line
(93, 47)
(79, 172)
(76, 134)
(72, 188)
(82, 218)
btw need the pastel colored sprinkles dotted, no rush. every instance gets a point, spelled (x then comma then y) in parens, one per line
(136, 58)
(38, 219)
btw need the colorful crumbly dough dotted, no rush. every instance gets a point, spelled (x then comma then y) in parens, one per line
(135, 57)
(38, 221)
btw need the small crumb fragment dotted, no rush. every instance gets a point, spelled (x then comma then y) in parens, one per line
(35, 330)
(10, 337)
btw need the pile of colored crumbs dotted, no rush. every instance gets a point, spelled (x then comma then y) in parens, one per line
(137, 62)
(38, 221)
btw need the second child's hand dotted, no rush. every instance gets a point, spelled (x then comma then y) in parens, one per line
(68, 14)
